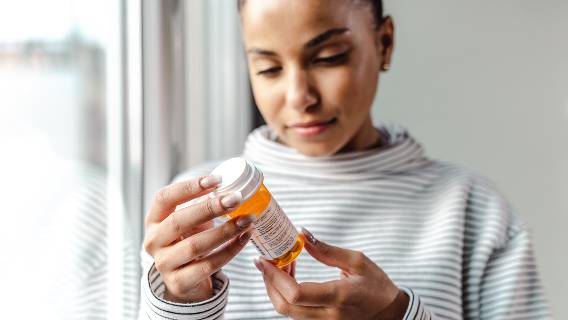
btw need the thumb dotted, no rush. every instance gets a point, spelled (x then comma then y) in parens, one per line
(344, 259)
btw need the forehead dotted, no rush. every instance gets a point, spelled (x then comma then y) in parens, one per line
(271, 23)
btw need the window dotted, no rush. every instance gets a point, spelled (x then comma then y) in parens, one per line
(70, 120)
(86, 143)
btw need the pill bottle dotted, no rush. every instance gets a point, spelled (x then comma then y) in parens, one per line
(273, 234)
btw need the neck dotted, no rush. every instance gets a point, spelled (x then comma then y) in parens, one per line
(368, 137)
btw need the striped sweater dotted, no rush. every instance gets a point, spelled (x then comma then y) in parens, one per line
(442, 233)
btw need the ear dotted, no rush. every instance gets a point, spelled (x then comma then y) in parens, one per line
(385, 42)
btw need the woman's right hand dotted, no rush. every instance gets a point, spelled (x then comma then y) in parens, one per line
(183, 242)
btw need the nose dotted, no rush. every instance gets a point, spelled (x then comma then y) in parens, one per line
(300, 94)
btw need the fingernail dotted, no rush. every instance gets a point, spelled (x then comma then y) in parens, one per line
(259, 265)
(246, 221)
(309, 236)
(244, 238)
(232, 200)
(210, 181)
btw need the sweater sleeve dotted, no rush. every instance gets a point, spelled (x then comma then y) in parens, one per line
(416, 308)
(500, 275)
(500, 279)
(154, 306)
(510, 286)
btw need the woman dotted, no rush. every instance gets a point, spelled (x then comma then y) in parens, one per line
(403, 236)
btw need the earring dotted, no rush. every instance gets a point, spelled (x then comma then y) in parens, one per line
(385, 67)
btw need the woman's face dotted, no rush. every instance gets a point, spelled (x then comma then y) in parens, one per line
(314, 67)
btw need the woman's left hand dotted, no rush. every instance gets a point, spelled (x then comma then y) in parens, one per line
(364, 291)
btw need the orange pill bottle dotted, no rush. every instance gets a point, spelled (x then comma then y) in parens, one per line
(273, 234)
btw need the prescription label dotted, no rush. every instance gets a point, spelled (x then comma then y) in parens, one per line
(273, 233)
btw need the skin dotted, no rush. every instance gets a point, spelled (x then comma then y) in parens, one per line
(294, 84)
(363, 290)
(182, 242)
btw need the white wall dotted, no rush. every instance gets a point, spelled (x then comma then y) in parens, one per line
(485, 83)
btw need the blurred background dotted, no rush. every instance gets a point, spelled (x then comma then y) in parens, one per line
(103, 102)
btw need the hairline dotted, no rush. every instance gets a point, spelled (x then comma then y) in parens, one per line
(378, 16)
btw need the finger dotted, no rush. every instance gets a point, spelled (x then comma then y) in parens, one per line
(203, 268)
(177, 193)
(301, 294)
(178, 224)
(354, 262)
(290, 269)
(283, 307)
(293, 271)
(201, 244)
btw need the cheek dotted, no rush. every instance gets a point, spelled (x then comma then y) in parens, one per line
(364, 85)
(268, 100)
(336, 86)
(350, 90)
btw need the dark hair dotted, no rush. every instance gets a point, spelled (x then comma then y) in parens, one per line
(376, 5)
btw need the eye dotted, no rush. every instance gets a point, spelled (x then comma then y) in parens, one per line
(269, 72)
(333, 60)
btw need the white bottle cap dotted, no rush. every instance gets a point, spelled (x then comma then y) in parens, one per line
(238, 175)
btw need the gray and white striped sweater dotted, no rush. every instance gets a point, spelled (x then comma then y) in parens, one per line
(441, 232)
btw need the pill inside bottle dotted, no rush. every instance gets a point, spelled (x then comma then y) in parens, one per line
(273, 234)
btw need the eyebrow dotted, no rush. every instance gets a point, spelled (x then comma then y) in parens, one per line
(324, 37)
(317, 40)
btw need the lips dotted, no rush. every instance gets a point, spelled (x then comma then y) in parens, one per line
(312, 128)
